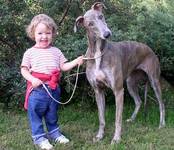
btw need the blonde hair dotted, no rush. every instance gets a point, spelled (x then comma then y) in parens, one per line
(41, 18)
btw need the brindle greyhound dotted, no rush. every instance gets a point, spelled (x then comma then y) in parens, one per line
(115, 62)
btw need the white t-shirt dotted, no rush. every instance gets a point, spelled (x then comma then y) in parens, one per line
(43, 60)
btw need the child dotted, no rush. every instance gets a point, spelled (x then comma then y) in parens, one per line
(42, 63)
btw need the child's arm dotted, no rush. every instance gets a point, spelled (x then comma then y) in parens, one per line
(27, 75)
(69, 65)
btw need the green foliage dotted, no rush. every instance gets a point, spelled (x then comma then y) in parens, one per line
(11, 87)
(150, 22)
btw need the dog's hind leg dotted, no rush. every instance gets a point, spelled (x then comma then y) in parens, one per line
(100, 99)
(152, 67)
(133, 91)
(157, 89)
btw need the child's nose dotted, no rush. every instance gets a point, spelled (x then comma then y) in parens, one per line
(44, 35)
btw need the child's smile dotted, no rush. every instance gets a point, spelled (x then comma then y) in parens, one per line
(43, 36)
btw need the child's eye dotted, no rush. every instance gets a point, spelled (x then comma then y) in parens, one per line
(48, 32)
(39, 33)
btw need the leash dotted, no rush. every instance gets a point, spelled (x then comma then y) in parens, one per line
(86, 58)
(75, 86)
(92, 58)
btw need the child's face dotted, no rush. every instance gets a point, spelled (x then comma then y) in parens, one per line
(43, 36)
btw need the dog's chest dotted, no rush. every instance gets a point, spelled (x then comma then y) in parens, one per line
(98, 77)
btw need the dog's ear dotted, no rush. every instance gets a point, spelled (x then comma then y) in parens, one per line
(78, 23)
(98, 6)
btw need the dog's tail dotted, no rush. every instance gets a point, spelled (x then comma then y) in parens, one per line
(145, 98)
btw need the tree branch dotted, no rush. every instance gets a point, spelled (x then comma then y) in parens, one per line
(65, 12)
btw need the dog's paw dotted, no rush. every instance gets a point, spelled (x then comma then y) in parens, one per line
(115, 141)
(161, 126)
(97, 139)
(129, 120)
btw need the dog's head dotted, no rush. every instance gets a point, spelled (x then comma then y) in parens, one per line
(94, 22)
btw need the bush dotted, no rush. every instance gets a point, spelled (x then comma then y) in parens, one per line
(11, 87)
(150, 22)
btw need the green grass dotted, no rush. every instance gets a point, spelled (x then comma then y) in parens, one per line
(80, 123)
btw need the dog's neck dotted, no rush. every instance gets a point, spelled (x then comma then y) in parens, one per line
(95, 50)
(95, 45)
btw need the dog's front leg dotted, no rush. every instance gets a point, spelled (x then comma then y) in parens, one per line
(100, 99)
(118, 116)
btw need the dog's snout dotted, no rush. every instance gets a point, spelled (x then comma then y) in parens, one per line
(107, 34)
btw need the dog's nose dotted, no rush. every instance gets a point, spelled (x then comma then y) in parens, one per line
(107, 34)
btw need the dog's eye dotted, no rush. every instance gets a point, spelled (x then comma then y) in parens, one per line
(91, 24)
(100, 17)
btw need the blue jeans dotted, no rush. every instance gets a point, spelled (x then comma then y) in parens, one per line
(42, 108)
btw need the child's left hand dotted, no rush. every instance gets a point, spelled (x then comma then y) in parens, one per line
(80, 60)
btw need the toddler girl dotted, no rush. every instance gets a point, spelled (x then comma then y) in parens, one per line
(41, 64)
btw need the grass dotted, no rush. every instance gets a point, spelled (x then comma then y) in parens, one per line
(80, 123)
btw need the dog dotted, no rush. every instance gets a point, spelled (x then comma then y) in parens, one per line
(109, 64)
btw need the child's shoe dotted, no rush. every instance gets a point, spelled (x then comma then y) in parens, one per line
(62, 139)
(45, 145)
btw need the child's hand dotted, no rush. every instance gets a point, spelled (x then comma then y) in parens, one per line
(80, 60)
(36, 82)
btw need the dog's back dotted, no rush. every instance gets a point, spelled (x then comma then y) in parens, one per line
(131, 55)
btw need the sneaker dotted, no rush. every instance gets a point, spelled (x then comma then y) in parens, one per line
(45, 145)
(62, 139)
